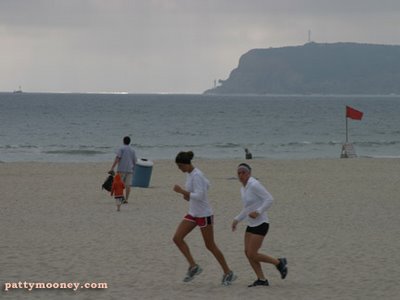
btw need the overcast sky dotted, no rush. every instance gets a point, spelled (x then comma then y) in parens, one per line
(167, 46)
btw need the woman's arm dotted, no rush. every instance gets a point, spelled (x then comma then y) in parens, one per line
(178, 189)
(266, 197)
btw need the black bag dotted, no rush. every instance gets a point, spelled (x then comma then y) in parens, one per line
(108, 182)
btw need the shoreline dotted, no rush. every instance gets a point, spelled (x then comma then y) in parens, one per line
(256, 158)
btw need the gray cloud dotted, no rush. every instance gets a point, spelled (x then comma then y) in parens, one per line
(167, 46)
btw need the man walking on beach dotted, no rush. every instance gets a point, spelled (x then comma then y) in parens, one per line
(126, 161)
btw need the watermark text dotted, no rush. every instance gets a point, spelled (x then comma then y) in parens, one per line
(74, 286)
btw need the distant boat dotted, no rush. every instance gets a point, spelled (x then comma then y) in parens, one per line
(19, 91)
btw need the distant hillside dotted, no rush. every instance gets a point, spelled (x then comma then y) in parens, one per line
(339, 68)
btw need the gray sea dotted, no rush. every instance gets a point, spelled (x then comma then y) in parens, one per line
(89, 127)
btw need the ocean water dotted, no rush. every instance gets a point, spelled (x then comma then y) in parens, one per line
(90, 127)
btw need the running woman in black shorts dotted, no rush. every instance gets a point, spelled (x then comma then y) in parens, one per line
(256, 201)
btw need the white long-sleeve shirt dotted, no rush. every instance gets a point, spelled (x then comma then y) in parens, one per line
(255, 197)
(197, 185)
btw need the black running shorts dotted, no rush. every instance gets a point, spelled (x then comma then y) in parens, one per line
(260, 229)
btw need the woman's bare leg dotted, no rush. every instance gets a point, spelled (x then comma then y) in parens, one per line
(252, 244)
(208, 237)
(184, 228)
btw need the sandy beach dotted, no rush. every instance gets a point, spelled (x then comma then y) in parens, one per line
(337, 222)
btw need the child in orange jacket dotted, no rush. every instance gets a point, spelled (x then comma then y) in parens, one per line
(117, 190)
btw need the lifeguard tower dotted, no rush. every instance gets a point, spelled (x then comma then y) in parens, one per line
(348, 151)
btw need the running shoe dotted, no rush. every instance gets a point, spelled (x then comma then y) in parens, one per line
(259, 282)
(192, 271)
(228, 278)
(282, 267)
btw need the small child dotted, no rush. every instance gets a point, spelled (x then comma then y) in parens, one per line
(117, 190)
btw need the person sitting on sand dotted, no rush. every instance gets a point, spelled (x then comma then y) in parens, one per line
(248, 154)
(256, 200)
(200, 214)
(117, 190)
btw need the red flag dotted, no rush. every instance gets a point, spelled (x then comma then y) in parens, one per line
(353, 113)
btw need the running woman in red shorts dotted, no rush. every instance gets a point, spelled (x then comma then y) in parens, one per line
(200, 214)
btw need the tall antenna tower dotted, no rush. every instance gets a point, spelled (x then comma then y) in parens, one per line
(309, 36)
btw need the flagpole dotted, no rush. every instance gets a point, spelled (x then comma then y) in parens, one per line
(347, 148)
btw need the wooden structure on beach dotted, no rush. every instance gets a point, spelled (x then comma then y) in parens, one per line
(348, 151)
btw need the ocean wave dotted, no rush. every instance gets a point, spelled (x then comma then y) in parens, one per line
(12, 147)
(303, 143)
(309, 143)
(381, 156)
(164, 146)
(56, 149)
(216, 145)
(377, 143)
(74, 152)
(335, 143)
(228, 145)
